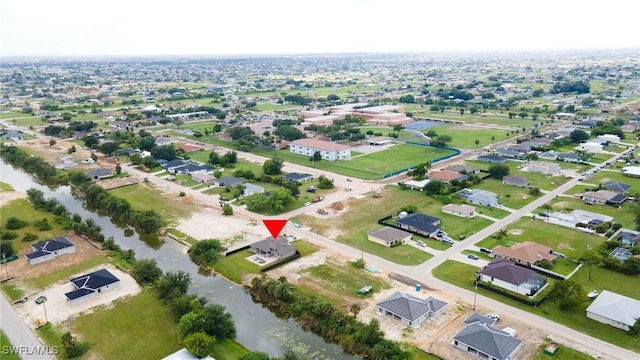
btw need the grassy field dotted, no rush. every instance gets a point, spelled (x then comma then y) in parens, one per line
(563, 353)
(465, 137)
(468, 118)
(142, 197)
(13, 292)
(268, 106)
(234, 267)
(565, 240)
(51, 335)
(623, 215)
(5, 187)
(462, 275)
(510, 196)
(23, 210)
(5, 344)
(362, 215)
(340, 281)
(117, 333)
(370, 166)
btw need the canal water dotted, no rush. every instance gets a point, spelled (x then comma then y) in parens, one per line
(257, 328)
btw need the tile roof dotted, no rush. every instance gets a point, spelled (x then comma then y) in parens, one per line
(527, 251)
(410, 307)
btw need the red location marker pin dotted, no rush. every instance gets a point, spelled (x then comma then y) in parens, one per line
(275, 226)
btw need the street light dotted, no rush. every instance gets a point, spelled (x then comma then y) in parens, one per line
(42, 300)
(475, 292)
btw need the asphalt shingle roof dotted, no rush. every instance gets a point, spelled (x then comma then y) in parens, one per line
(488, 339)
(410, 307)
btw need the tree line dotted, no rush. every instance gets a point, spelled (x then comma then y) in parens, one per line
(31, 164)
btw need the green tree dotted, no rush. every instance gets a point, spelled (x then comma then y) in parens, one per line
(317, 156)
(218, 322)
(324, 182)
(13, 223)
(146, 271)
(568, 294)
(577, 136)
(118, 169)
(590, 258)
(355, 309)
(477, 142)
(109, 148)
(191, 323)
(52, 142)
(273, 166)
(255, 355)
(227, 210)
(199, 344)
(434, 187)
(6, 249)
(398, 128)
(173, 284)
(205, 252)
(498, 171)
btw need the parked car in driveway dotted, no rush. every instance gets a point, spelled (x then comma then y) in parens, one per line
(421, 243)
(473, 256)
(485, 250)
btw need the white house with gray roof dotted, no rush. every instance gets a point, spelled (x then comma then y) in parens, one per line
(278, 247)
(614, 309)
(483, 340)
(410, 310)
(388, 236)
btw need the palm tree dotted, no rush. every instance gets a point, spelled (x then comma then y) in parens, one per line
(355, 309)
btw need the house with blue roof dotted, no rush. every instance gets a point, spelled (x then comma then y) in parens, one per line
(49, 249)
(420, 224)
(90, 285)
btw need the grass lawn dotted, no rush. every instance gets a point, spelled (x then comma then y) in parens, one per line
(5, 187)
(465, 137)
(480, 254)
(182, 236)
(228, 349)
(510, 196)
(565, 240)
(371, 166)
(340, 281)
(462, 275)
(142, 197)
(234, 267)
(13, 292)
(467, 117)
(66, 272)
(541, 181)
(117, 333)
(186, 180)
(267, 106)
(624, 215)
(23, 210)
(51, 335)
(6, 344)
(563, 353)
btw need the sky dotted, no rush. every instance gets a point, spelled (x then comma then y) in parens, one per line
(236, 27)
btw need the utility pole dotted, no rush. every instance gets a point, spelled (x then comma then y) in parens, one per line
(475, 291)
(5, 265)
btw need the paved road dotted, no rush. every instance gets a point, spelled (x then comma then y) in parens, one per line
(22, 338)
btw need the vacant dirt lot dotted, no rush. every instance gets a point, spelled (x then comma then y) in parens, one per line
(8, 196)
(209, 223)
(21, 270)
(57, 308)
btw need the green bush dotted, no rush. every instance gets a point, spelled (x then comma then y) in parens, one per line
(13, 223)
(29, 237)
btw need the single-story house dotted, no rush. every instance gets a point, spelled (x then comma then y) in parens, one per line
(88, 286)
(388, 236)
(278, 247)
(526, 253)
(190, 148)
(410, 310)
(541, 141)
(480, 197)
(447, 176)
(463, 169)
(162, 141)
(128, 152)
(494, 159)
(592, 147)
(511, 153)
(629, 237)
(49, 249)
(614, 309)
(13, 135)
(170, 166)
(485, 341)
(621, 254)
(379, 140)
(604, 197)
(631, 171)
(228, 181)
(577, 217)
(617, 187)
(515, 180)
(569, 157)
(101, 173)
(544, 168)
(608, 138)
(184, 354)
(203, 178)
(297, 177)
(418, 223)
(463, 210)
(587, 124)
(415, 184)
(507, 275)
(250, 189)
